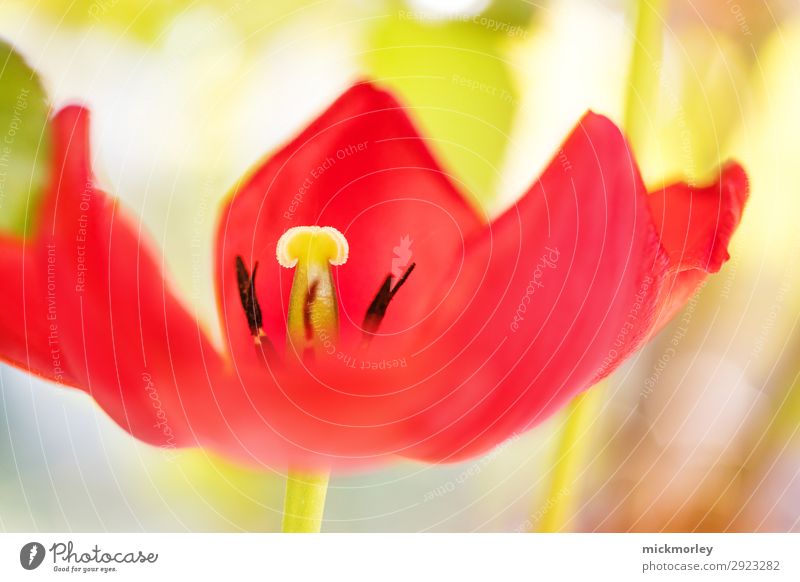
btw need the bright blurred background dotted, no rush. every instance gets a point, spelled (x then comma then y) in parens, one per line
(697, 432)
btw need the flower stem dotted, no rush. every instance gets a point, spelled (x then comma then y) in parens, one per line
(304, 503)
(643, 76)
(559, 505)
(642, 94)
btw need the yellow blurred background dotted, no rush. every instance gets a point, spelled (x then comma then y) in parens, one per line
(698, 431)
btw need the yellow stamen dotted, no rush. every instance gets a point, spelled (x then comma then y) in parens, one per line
(313, 318)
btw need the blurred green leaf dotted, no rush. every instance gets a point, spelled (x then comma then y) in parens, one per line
(24, 141)
(701, 96)
(145, 20)
(513, 12)
(148, 21)
(208, 492)
(458, 85)
(768, 239)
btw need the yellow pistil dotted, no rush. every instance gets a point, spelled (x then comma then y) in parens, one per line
(313, 317)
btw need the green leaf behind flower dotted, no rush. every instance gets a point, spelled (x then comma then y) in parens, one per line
(458, 85)
(24, 142)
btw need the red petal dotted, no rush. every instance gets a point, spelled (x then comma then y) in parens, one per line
(24, 340)
(119, 332)
(362, 168)
(695, 226)
(543, 329)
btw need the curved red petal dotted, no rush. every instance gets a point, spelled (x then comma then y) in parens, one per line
(25, 304)
(695, 225)
(362, 168)
(550, 288)
(576, 277)
(96, 288)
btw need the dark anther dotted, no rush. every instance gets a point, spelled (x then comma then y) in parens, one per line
(377, 309)
(247, 293)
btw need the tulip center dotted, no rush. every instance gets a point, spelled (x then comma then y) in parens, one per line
(313, 316)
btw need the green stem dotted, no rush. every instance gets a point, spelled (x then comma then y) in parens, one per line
(642, 95)
(304, 503)
(643, 77)
(559, 505)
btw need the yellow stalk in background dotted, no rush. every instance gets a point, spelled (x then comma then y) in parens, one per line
(570, 455)
(645, 69)
(642, 94)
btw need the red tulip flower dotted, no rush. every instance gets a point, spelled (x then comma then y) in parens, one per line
(369, 311)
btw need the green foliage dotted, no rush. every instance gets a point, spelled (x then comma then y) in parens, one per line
(148, 21)
(24, 142)
(456, 82)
